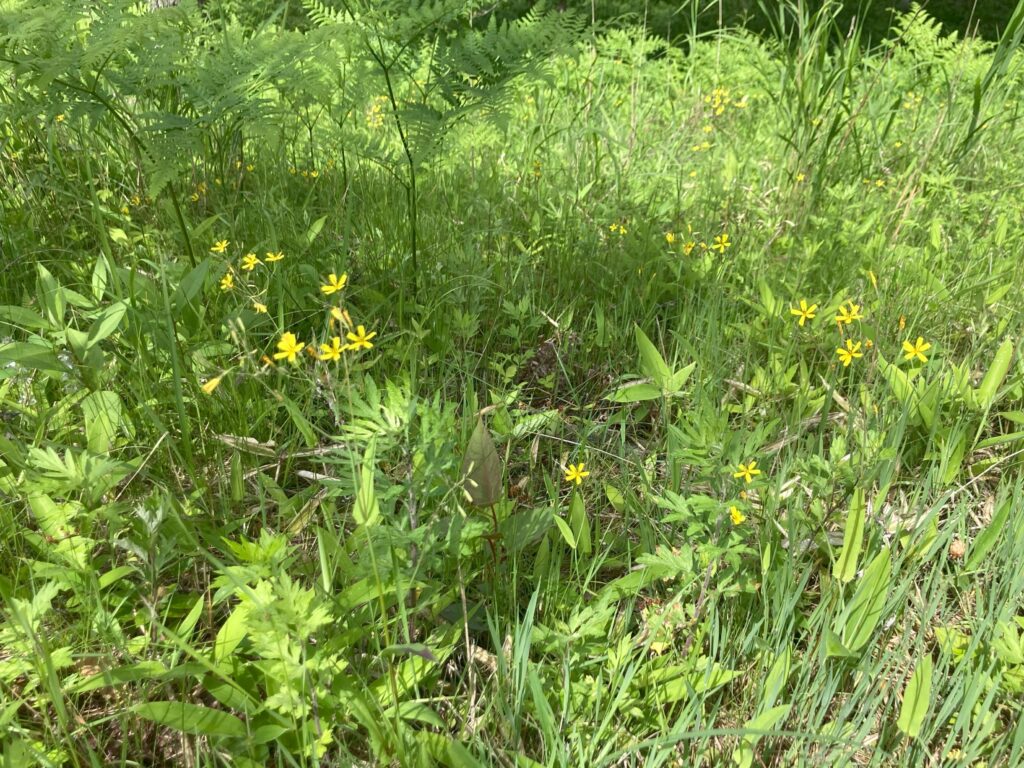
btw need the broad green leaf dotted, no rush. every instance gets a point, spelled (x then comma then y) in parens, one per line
(32, 356)
(51, 296)
(651, 361)
(865, 609)
(189, 622)
(916, 699)
(988, 390)
(106, 323)
(743, 756)
(901, 387)
(845, 567)
(231, 633)
(678, 379)
(565, 530)
(314, 229)
(615, 497)
(366, 509)
(986, 540)
(22, 317)
(635, 393)
(776, 679)
(190, 285)
(300, 421)
(102, 413)
(191, 718)
(481, 468)
(580, 524)
(108, 678)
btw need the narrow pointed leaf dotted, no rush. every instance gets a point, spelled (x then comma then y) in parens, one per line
(916, 699)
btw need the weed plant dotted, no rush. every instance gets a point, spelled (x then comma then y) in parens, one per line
(414, 389)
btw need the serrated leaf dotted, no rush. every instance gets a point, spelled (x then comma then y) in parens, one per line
(482, 469)
(916, 699)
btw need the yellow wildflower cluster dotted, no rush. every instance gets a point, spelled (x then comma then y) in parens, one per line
(375, 113)
(720, 99)
(848, 313)
(617, 229)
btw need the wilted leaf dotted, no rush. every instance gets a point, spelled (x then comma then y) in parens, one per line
(481, 468)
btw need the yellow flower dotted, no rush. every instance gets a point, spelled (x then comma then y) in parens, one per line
(227, 282)
(747, 471)
(916, 350)
(333, 350)
(259, 307)
(334, 284)
(903, 322)
(851, 351)
(849, 314)
(688, 248)
(211, 384)
(194, 197)
(136, 201)
(800, 177)
(250, 167)
(220, 246)
(805, 312)
(670, 237)
(576, 473)
(721, 243)
(341, 316)
(288, 347)
(250, 262)
(59, 118)
(271, 257)
(736, 516)
(360, 339)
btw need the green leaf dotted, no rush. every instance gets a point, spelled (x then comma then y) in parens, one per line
(231, 633)
(300, 421)
(102, 412)
(191, 718)
(51, 296)
(651, 361)
(366, 510)
(32, 356)
(106, 323)
(845, 567)
(580, 524)
(22, 317)
(776, 679)
(635, 393)
(916, 699)
(865, 609)
(566, 531)
(988, 390)
(314, 229)
(678, 379)
(743, 756)
(481, 468)
(615, 497)
(986, 540)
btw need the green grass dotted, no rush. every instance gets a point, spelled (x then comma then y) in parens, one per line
(212, 557)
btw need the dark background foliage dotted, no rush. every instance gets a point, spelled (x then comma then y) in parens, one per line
(673, 19)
